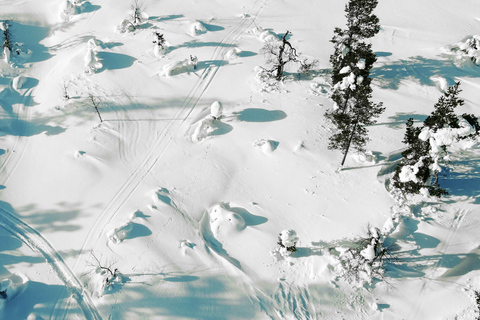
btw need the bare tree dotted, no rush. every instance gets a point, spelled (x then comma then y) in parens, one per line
(94, 102)
(278, 55)
(137, 7)
(65, 85)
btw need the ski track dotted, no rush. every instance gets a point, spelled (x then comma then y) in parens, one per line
(34, 239)
(162, 141)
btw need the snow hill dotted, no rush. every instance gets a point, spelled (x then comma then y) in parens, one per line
(171, 206)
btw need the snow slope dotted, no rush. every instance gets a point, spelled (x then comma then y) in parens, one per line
(188, 207)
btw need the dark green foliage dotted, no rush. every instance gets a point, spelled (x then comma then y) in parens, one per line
(419, 153)
(444, 115)
(7, 36)
(353, 58)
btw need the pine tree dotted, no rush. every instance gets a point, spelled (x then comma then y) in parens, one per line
(351, 63)
(420, 164)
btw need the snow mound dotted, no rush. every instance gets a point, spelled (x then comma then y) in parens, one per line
(92, 61)
(73, 7)
(216, 110)
(366, 157)
(203, 129)
(224, 222)
(117, 235)
(264, 35)
(197, 28)
(266, 146)
(232, 54)
(178, 67)
(11, 287)
(19, 82)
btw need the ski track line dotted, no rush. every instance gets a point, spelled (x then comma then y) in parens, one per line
(160, 144)
(34, 239)
(456, 223)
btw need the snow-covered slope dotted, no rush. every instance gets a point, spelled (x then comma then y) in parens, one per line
(187, 199)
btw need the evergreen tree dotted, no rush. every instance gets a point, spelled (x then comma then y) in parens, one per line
(420, 164)
(351, 63)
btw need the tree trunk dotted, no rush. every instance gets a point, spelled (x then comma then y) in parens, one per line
(350, 141)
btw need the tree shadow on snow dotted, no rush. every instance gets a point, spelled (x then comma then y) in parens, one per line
(260, 115)
(115, 61)
(165, 18)
(399, 120)
(31, 37)
(198, 44)
(22, 128)
(390, 75)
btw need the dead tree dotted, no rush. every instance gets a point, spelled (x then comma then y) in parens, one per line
(137, 8)
(94, 102)
(279, 54)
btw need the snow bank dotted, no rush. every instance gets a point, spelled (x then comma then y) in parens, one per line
(224, 222)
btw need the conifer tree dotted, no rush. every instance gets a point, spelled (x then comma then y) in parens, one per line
(351, 63)
(427, 145)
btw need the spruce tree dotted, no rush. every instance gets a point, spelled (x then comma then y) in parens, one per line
(351, 63)
(420, 164)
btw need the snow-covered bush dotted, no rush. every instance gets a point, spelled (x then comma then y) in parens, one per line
(136, 17)
(361, 260)
(287, 243)
(197, 28)
(467, 51)
(92, 62)
(421, 163)
(73, 7)
(103, 278)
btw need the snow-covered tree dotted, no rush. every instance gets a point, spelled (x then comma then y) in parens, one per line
(351, 63)
(422, 161)
(362, 259)
(287, 243)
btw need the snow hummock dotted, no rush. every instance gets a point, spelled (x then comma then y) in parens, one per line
(224, 222)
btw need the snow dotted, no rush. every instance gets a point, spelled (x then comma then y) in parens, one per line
(192, 176)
